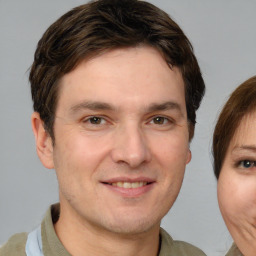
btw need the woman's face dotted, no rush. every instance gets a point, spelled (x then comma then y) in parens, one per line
(237, 186)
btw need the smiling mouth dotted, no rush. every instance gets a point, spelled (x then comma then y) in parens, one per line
(128, 188)
(125, 184)
(121, 184)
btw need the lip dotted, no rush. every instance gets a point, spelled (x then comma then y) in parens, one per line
(129, 192)
(128, 179)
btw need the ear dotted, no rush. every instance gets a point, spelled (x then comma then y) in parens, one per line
(43, 140)
(189, 156)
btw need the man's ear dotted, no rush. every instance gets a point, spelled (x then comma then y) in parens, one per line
(189, 156)
(43, 140)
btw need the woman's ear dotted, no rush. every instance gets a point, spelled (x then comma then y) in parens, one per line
(44, 146)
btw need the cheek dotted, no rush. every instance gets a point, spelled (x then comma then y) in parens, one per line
(170, 145)
(81, 149)
(77, 157)
(172, 150)
(171, 154)
(237, 196)
(227, 196)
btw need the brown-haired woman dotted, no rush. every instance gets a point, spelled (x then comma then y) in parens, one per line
(234, 150)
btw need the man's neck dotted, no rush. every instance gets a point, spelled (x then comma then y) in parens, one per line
(82, 239)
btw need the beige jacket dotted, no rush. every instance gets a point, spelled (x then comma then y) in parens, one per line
(53, 247)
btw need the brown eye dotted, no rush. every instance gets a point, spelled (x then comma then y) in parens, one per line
(160, 120)
(95, 120)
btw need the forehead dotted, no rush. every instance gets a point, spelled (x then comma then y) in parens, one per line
(246, 131)
(138, 75)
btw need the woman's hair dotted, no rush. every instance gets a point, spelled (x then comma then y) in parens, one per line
(94, 28)
(241, 102)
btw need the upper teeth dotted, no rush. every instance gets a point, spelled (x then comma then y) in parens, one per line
(129, 184)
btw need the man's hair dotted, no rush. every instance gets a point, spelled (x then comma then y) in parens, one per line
(241, 103)
(99, 26)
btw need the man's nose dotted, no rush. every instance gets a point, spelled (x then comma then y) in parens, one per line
(130, 147)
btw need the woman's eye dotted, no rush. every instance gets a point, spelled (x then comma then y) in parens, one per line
(159, 120)
(247, 164)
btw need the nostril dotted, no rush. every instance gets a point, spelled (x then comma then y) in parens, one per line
(130, 148)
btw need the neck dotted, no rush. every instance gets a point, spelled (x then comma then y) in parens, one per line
(82, 238)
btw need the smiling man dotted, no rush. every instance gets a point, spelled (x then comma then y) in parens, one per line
(115, 86)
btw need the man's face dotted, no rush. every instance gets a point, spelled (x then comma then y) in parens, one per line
(121, 140)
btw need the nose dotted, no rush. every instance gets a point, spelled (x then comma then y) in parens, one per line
(130, 147)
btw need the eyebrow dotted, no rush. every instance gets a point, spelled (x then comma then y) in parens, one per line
(170, 105)
(244, 148)
(95, 105)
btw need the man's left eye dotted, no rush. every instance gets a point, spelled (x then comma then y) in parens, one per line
(96, 120)
(160, 120)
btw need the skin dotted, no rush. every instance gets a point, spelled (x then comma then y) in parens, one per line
(237, 186)
(121, 117)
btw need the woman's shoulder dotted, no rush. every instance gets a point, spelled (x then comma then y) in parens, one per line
(234, 251)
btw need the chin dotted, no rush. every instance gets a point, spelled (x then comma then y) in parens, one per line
(131, 226)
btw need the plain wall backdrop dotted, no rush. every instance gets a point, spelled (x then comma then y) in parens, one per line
(223, 34)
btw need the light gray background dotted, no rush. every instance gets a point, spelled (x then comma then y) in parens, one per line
(224, 38)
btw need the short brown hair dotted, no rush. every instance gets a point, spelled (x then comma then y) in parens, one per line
(102, 25)
(241, 102)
